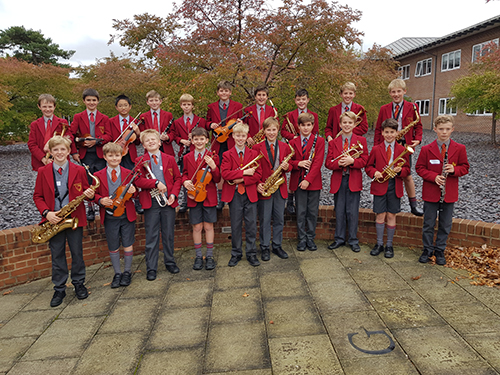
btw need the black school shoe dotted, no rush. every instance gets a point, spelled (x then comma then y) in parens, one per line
(440, 259)
(198, 263)
(311, 245)
(377, 249)
(389, 252)
(81, 291)
(426, 254)
(116, 280)
(252, 259)
(57, 298)
(234, 260)
(278, 251)
(126, 279)
(210, 263)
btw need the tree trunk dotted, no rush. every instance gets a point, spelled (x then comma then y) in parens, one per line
(494, 127)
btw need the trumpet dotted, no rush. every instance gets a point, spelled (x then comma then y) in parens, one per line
(254, 163)
(358, 121)
(155, 193)
(354, 151)
(388, 171)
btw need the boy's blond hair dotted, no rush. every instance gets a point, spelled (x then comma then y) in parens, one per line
(240, 128)
(186, 98)
(305, 117)
(112, 148)
(397, 83)
(443, 119)
(348, 86)
(270, 121)
(224, 85)
(152, 94)
(350, 115)
(147, 132)
(58, 140)
(48, 98)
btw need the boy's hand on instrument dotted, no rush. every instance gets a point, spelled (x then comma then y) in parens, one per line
(304, 184)
(136, 129)
(46, 161)
(131, 189)
(164, 137)
(305, 164)
(89, 144)
(89, 193)
(106, 201)
(76, 157)
(52, 217)
(378, 175)
(250, 141)
(260, 188)
(440, 180)
(171, 199)
(449, 168)
(186, 142)
(284, 165)
(210, 162)
(161, 187)
(238, 181)
(397, 169)
(415, 143)
(329, 138)
(346, 161)
(188, 184)
(214, 125)
(249, 172)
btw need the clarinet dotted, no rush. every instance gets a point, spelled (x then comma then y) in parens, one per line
(311, 154)
(187, 148)
(443, 187)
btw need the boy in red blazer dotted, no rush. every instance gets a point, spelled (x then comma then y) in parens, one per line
(272, 207)
(387, 195)
(182, 136)
(258, 113)
(42, 130)
(202, 212)
(404, 113)
(217, 112)
(347, 180)
(159, 120)
(92, 126)
(290, 130)
(57, 184)
(305, 179)
(116, 227)
(164, 181)
(347, 93)
(240, 191)
(440, 164)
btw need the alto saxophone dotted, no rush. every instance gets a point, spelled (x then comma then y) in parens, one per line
(44, 232)
(259, 136)
(274, 181)
(388, 171)
(410, 126)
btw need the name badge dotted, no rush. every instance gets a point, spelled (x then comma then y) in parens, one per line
(58, 183)
(435, 161)
(161, 167)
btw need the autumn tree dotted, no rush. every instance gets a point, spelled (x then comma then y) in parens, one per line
(479, 90)
(31, 46)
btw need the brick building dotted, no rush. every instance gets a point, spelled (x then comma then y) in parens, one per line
(430, 65)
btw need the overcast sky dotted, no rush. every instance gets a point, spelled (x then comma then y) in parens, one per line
(85, 26)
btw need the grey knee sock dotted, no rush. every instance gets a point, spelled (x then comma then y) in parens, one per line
(390, 234)
(115, 260)
(127, 256)
(380, 233)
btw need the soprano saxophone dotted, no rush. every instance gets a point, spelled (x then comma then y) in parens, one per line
(410, 126)
(274, 181)
(44, 232)
(259, 136)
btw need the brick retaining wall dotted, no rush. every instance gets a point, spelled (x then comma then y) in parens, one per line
(22, 261)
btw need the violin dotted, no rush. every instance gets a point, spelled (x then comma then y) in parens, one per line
(120, 198)
(203, 178)
(127, 136)
(222, 132)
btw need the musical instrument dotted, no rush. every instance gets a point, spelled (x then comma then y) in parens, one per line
(65, 127)
(187, 148)
(254, 163)
(259, 136)
(388, 171)
(155, 192)
(44, 232)
(289, 126)
(120, 196)
(274, 181)
(311, 154)
(443, 187)
(222, 132)
(87, 137)
(358, 120)
(168, 127)
(127, 136)
(410, 126)
(203, 177)
(354, 151)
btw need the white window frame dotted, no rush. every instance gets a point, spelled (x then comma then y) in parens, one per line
(446, 57)
(445, 109)
(404, 71)
(484, 112)
(423, 106)
(424, 67)
(478, 49)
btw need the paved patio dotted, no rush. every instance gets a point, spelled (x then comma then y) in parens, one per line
(315, 313)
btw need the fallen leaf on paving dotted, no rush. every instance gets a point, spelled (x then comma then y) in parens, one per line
(416, 277)
(137, 271)
(106, 284)
(357, 260)
(187, 278)
(7, 292)
(246, 295)
(107, 265)
(271, 322)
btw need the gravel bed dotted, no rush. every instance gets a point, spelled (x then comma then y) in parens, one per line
(478, 190)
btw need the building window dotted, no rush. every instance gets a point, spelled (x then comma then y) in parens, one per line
(483, 49)
(445, 108)
(423, 106)
(450, 61)
(424, 67)
(484, 112)
(404, 71)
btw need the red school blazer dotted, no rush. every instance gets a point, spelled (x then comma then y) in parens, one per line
(190, 167)
(170, 173)
(103, 192)
(235, 110)
(408, 117)
(253, 119)
(430, 164)
(37, 137)
(80, 126)
(293, 117)
(230, 171)
(147, 122)
(335, 148)
(180, 131)
(44, 196)
(333, 124)
(115, 128)
(378, 161)
(267, 168)
(314, 175)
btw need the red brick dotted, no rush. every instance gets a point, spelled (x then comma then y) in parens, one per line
(21, 271)
(495, 231)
